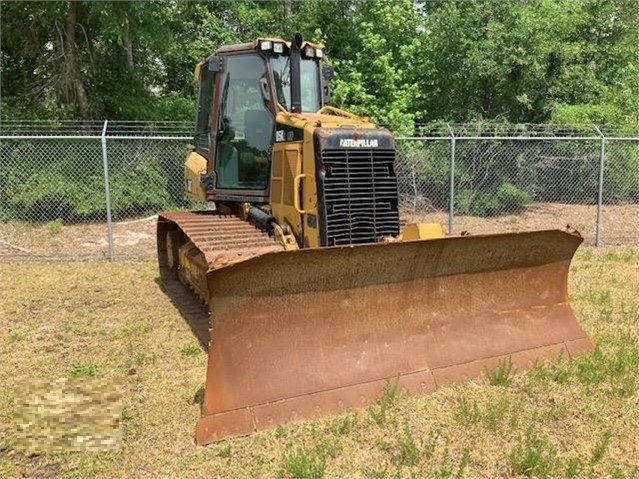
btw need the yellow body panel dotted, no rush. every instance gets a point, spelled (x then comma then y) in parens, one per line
(194, 168)
(196, 72)
(418, 231)
(293, 193)
(326, 117)
(286, 165)
(309, 203)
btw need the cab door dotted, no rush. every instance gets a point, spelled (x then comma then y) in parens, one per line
(245, 129)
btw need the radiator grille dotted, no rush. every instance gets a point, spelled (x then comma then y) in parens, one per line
(360, 195)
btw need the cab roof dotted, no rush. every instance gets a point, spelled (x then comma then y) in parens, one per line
(254, 45)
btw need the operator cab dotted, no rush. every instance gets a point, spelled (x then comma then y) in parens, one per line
(241, 89)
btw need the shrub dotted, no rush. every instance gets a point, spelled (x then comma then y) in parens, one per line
(46, 181)
(511, 198)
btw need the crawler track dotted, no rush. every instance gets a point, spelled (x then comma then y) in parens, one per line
(221, 239)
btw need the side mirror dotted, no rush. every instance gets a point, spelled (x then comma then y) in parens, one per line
(326, 95)
(264, 90)
(216, 64)
(328, 73)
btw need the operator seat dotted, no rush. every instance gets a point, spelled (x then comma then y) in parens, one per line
(258, 129)
(258, 136)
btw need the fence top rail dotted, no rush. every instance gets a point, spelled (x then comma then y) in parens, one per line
(528, 130)
(507, 138)
(617, 132)
(399, 138)
(94, 128)
(96, 137)
(50, 129)
(492, 129)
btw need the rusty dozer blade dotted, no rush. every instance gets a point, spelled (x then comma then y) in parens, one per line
(304, 333)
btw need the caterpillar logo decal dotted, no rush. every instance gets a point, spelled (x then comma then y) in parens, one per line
(361, 143)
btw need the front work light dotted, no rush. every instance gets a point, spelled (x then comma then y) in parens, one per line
(266, 45)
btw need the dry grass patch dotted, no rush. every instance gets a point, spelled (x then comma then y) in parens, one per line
(111, 323)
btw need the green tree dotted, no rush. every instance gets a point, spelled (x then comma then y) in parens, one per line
(375, 62)
(560, 60)
(398, 61)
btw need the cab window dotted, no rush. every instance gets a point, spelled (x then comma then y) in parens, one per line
(203, 117)
(246, 128)
(309, 82)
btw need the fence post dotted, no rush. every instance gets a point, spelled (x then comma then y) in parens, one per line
(602, 157)
(451, 202)
(107, 192)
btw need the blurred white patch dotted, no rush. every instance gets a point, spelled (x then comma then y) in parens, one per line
(82, 414)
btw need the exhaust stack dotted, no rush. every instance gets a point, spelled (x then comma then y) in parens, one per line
(296, 60)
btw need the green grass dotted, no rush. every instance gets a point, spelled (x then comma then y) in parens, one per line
(381, 411)
(487, 414)
(496, 413)
(15, 336)
(225, 451)
(601, 448)
(552, 371)
(110, 323)
(467, 412)
(344, 423)
(139, 358)
(190, 350)
(614, 366)
(83, 370)
(534, 456)
(303, 463)
(407, 450)
(502, 375)
(55, 227)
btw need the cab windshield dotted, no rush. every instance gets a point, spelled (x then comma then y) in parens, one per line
(310, 82)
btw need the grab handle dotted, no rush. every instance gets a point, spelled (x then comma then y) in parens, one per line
(296, 195)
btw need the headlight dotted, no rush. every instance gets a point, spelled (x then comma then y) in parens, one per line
(278, 47)
(309, 51)
(319, 53)
(266, 45)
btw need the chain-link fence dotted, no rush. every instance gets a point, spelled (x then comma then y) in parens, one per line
(92, 190)
(88, 190)
(508, 178)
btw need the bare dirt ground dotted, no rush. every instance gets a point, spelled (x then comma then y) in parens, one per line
(133, 239)
(619, 225)
(106, 338)
(136, 239)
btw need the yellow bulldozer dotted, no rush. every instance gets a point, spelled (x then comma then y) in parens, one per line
(317, 297)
